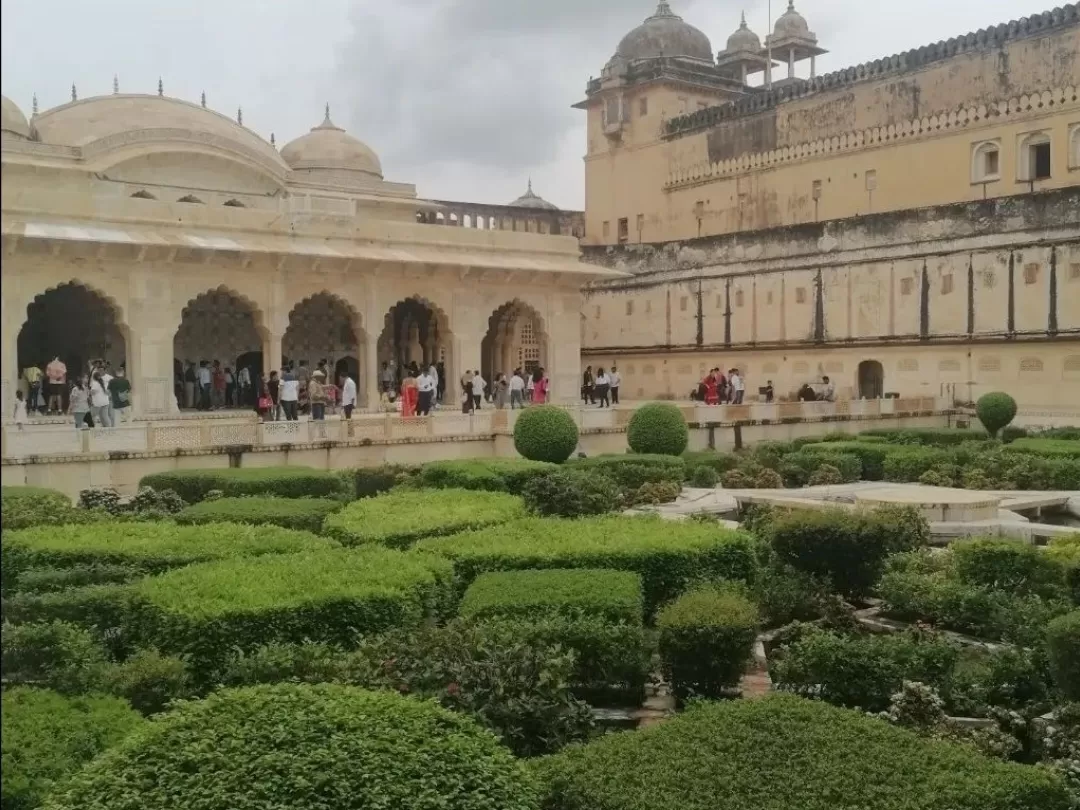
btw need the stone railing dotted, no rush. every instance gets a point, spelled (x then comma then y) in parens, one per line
(192, 433)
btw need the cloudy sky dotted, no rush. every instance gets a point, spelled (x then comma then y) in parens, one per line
(465, 98)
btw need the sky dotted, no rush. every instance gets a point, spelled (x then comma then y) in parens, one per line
(467, 99)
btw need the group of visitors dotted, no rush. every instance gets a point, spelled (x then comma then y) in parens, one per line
(518, 390)
(601, 390)
(826, 394)
(296, 390)
(719, 389)
(99, 398)
(213, 387)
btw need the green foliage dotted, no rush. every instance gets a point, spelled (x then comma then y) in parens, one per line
(937, 478)
(704, 477)
(768, 479)
(102, 609)
(612, 595)
(47, 580)
(1063, 649)
(848, 549)
(631, 471)
(149, 680)
(23, 507)
(204, 611)
(304, 747)
(493, 474)
(1006, 677)
(400, 517)
(825, 475)
(667, 555)
(363, 482)
(282, 482)
(849, 464)
(784, 594)
(907, 464)
(572, 493)
(56, 655)
(286, 662)
(785, 753)
(1047, 448)
(305, 514)
(736, 479)
(47, 738)
(871, 455)
(941, 437)
(706, 638)
(860, 671)
(1009, 565)
(658, 427)
(720, 462)
(995, 410)
(654, 493)
(545, 433)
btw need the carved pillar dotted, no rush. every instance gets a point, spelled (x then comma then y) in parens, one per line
(272, 353)
(369, 385)
(791, 63)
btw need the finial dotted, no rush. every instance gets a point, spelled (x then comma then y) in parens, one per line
(328, 111)
(272, 142)
(663, 9)
(74, 95)
(530, 191)
(115, 84)
(743, 25)
(203, 99)
(240, 116)
(160, 87)
(790, 5)
(34, 108)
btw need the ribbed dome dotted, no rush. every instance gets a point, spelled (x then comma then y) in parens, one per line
(665, 34)
(12, 119)
(329, 147)
(792, 24)
(744, 39)
(531, 200)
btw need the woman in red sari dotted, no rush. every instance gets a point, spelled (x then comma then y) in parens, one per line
(712, 394)
(410, 394)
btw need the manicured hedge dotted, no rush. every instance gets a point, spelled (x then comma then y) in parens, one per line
(849, 465)
(23, 507)
(611, 595)
(56, 655)
(786, 753)
(906, 464)
(871, 455)
(47, 738)
(631, 470)
(1063, 648)
(305, 747)
(400, 517)
(658, 427)
(1048, 448)
(995, 410)
(545, 433)
(363, 482)
(38, 495)
(282, 482)
(207, 610)
(720, 462)
(306, 514)
(571, 493)
(492, 474)
(667, 555)
(942, 437)
(706, 638)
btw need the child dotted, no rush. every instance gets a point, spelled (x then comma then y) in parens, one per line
(20, 409)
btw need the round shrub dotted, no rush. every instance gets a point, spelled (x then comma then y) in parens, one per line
(825, 475)
(402, 516)
(995, 410)
(768, 479)
(305, 747)
(149, 680)
(704, 477)
(936, 478)
(47, 737)
(545, 433)
(655, 493)
(572, 493)
(736, 479)
(1063, 647)
(23, 507)
(658, 427)
(305, 514)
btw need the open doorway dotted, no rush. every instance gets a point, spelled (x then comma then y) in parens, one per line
(871, 380)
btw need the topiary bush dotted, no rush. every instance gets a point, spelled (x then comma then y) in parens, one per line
(871, 455)
(849, 464)
(282, 482)
(787, 753)
(658, 427)
(1014, 566)
(46, 738)
(736, 479)
(545, 433)
(572, 493)
(493, 474)
(400, 517)
(704, 477)
(304, 514)
(23, 507)
(149, 681)
(655, 493)
(705, 639)
(305, 747)
(1063, 649)
(612, 595)
(1047, 448)
(631, 471)
(363, 482)
(907, 464)
(825, 475)
(768, 479)
(56, 655)
(995, 410)
(720, 462)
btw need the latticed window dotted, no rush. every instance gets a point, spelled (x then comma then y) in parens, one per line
(528, 332)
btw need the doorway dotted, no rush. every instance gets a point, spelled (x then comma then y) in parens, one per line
(871, 380)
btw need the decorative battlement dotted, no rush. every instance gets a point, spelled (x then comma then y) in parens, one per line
(926, 126)
(993, 37)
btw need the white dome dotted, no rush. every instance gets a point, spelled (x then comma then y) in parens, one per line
(531, 200)
(665, 34)
(329, 147)
(12, 119)
(792, 24)
(743, 39)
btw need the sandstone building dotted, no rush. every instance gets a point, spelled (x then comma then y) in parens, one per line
(910, 226)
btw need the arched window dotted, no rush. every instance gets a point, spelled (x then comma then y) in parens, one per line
(235, 204)
(143, 194)
(190, 198)
(986, 162)
(1034, 157)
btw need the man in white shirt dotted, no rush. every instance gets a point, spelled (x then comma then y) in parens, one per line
(828, 391)
(434, 374)
(106, 378)
(614, 379)
(517, 390)
(290, 394)
(478, 386)
(348, 394)
(425, 388)
(204, 386)
(738, 387)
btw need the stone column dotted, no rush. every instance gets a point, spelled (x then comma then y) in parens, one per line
(150, 367)
(813, 66)
(791, 63)
(369, 371)
(271, 353)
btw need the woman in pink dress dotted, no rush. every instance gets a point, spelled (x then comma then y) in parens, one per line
(540, 387)
(410, 394)
(712, 394)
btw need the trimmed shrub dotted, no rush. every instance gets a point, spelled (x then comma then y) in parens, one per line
(1009, 565)
(149, 680)
(203, 611)
(786, 753)
(48, 580)
(305, 747)
(1063, 649)
(614, 596)
(401, 517)
(768, 479)
(825, 475)
(658, 427)
(941, 437)
(305, 514)
(23, 507)
(102, 609)
(281, 482)
(720, 462)
(632, 471)
(849, 464)
(363, 482)
(704, 477)
(706, 638)
(655, 493)
(667, 555)
(56, 655)
(995, 410)
(1047, 448)
(545, 433)
(47, 738)
(736, 479)
(280, 662)
(493, 474)
(572, 493)
(871, 455)
(848, 549)
(937, 478)
(907, 464)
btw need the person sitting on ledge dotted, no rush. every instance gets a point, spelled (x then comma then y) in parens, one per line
(828, 392)
(806, 393)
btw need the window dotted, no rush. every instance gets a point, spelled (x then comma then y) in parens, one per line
(816, 192)
(629, 307)
(800, 295)
(986, 162)
(906, 286)
(699, 209)
(1031, 273)
(719, 301)
(607, 230)
(190, 198)
(643, 106)
(683, 302)
(1034, 154)
(624, 230)
(1074, 271)
(640, 224)
(143, 194)
(738, 298)
(946, 284)
(683, 101)
(871, 179)
(234, 204)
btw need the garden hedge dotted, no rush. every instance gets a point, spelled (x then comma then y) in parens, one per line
(667, 555)
(1011, 565)
(56, 655)
(304, 747)
(658, 427)
(206, 610)
(47, 738)
(632, 470)
(611, 595)
(1047, 448)
(849, 465)
(942, 437)
(720, 462)
(545, 433)
(23, 507)
(305, 514)
(706, 637)
(571, 493)
(492, 474)
(906, 464)
(400, 517)
(870, 454)
(282, 482)
(787, 753)
(363, 482)
(1063, 648)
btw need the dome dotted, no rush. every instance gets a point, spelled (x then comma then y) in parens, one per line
(665, 34)
(329, 147)
(13, 120)
(744, 39)
(530, 200)
(792, 24)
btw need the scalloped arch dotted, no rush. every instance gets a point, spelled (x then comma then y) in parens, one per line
(257, 314)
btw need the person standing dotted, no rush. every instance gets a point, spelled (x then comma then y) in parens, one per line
(440, 391)
(217, 380)
(191, 380)
(828, 391)
(120, 395)
(56, 372)
(273, 391)
(99, 401)
(501, 391)
(348, 394)
(386, 378)
(769, 392)
(79, 403)
(290, 394)
(317, 395)
(738, 387)
(32, 374)
(409, 394)
(436, 392)
(587, 383)
(530, 388)
(20, 415)
(205, 382)
(478, 386)
(540, 387)
(517, 390)
(601, 388)
(106, 381)
(467, 402)
(425, 388)
(712, 388)
(615, 381)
